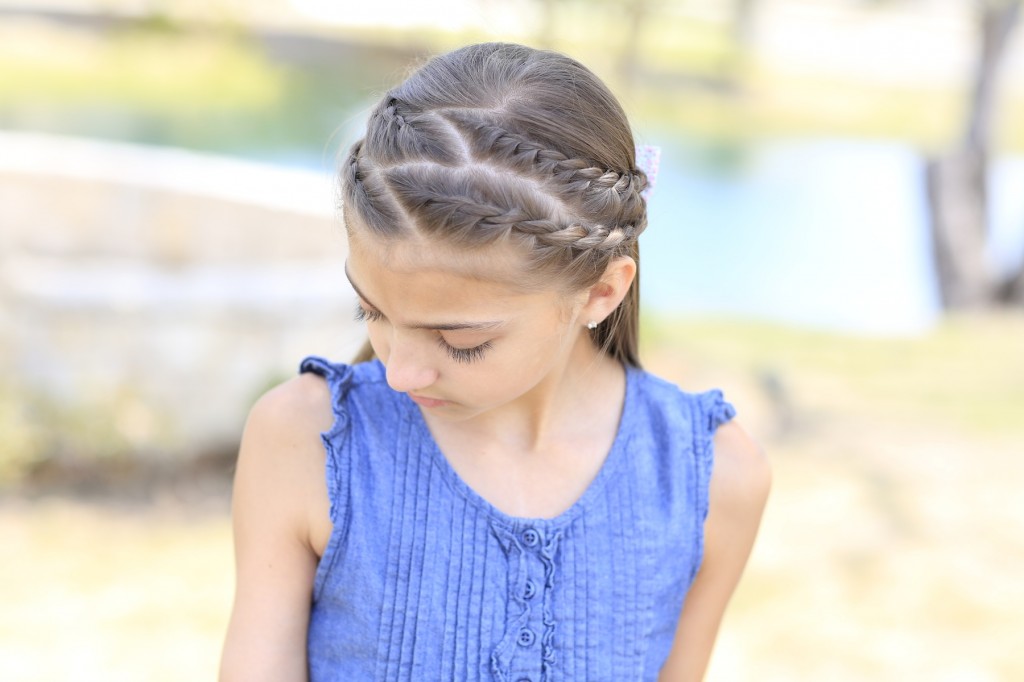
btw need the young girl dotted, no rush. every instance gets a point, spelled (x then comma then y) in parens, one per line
(508, 495)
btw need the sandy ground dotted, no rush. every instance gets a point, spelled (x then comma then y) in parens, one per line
(106, 593)
(892, 548)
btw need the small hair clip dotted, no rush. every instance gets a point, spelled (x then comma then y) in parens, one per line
(648, 159)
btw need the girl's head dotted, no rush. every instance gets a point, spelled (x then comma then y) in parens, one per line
(503, 147)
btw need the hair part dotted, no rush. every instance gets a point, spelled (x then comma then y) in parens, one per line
(496, 143)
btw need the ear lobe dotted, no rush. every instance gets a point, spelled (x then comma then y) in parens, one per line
(606, 295)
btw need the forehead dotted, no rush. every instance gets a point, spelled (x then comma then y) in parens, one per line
(422, 285)
(503, 265)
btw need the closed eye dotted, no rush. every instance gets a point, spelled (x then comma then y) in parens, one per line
(464, 355)
(461, 355)
(364, 315)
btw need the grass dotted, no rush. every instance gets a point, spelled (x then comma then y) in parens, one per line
(965, 374)
(892, 544)
(891, 548)
(112, 594)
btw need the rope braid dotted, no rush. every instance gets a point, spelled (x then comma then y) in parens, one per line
(414, 139)
(459, 165)
(393, 136)
(364, 194)
(603, 190)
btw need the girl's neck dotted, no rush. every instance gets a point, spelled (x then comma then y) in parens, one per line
(576, 398)
(536, 457)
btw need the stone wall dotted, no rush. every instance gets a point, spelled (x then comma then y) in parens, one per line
(147, 296)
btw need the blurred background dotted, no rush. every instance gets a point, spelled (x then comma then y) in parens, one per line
(836, 240)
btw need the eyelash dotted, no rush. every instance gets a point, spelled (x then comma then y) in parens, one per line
(464, 355)
(460, 355)
(364, 315)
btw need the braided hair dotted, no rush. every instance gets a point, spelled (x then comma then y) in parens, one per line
(499, 142)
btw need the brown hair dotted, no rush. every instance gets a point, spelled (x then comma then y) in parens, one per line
(497, 142)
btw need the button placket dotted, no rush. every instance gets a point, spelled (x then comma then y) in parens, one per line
(526, 650)
(531, 537)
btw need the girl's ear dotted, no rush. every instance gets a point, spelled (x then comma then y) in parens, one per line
(606, 295)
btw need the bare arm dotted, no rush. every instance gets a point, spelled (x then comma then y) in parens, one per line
(740, 482)
(279, 509)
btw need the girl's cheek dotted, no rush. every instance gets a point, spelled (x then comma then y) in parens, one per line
(379, 343)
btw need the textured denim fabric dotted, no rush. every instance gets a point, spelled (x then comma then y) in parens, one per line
(423, 579)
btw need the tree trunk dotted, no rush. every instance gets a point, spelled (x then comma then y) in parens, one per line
(957, 181)
(743, 22)
(957, 197)
(1011, 290)
(996, 20)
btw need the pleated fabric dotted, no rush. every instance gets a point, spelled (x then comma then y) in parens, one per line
(423, 579)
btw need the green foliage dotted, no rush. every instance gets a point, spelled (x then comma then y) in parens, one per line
(168, 82)
(149, 70)
(208, 89)
(37, 429)
(21, 438)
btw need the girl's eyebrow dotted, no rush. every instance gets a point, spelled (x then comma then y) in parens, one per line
(445, 327)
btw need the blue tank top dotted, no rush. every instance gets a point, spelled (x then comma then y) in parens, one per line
(422, 579)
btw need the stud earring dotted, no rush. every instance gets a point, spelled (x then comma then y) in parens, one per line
(591, 325)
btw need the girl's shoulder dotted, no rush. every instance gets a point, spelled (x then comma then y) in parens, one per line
(342, 379)
(350, 392)
(278, 478)
(282, 458)
(664, 401)
(288, 419)
(741, 470)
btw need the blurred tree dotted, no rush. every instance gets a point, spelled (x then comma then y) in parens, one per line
(743, 21)
(957, 181)
(548, 20)
(629, 15)
(637, 12)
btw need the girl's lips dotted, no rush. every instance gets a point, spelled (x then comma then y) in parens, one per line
(427, 402)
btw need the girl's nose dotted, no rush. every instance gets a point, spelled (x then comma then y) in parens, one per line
(408, 368)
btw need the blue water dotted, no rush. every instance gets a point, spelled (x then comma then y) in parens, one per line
(1006, 201)
(828, 234)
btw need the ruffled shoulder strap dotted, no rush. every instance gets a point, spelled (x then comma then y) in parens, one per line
(338, 377)
(711, 411)
(339, 380)
(714, 410)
